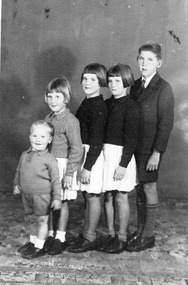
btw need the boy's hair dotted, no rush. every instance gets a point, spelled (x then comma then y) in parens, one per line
(153, 47)
(124, 71)
(45, 124)
(99, 70)
(60, 85)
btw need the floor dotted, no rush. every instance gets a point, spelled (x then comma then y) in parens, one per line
(167, 263)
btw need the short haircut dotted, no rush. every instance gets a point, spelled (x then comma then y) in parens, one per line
(99, 70)
(45, 124)
(60, 85)
(153, 47)
(124, 71)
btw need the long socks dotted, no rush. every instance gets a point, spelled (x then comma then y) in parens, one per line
(151, 213)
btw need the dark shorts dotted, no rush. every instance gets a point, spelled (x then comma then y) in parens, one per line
(142, 174)
(37, 204)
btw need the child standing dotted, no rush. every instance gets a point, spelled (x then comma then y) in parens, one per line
(67, 148)
(155, 98)
(37, 179)
(92, 115)
(119, 145)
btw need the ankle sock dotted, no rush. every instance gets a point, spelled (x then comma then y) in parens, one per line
(51, 233)
(32, 239)
(90, 236)
(122, 237)
(60, 235)
(39, 243)
(111, 233)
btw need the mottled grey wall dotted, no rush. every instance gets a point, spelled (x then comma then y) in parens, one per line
(48, 38)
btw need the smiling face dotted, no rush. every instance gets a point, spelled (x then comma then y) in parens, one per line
(56, 101)
(90, 85)
(40, 137)
(115, 84)
(148, 63)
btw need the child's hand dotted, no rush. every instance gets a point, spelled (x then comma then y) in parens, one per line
(17, 190)
(67, 182)
(153, 161)
(56, 205)
(85, 176)
(119, 173)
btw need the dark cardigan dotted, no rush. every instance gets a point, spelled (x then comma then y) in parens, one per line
(92, 115)
(123, 126)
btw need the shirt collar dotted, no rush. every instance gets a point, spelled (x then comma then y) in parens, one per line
(40, 153)
(148, 79)
(60, 115)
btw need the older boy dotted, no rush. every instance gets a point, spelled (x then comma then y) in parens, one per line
(155, 98)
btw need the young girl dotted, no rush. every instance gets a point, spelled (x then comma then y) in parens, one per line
(119, 166)
(67, 148)
(92, 115)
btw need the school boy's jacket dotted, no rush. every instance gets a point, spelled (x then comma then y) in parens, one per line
(156, 102)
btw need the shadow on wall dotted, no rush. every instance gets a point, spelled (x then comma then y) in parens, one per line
(18, 109)
(51, 63)
(14, 126)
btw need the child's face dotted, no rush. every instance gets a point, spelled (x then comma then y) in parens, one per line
(90, 85)
(40, 137)
(148, 63)
(56, 102)
(115, 85)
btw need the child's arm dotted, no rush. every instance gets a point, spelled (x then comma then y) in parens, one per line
(119, 173)
(56, 184)
(67, 182)
(17, 187)
(96, 133)
(17, 190)
(153, 161)
(56, 205)
(165, 121)
(75, 148)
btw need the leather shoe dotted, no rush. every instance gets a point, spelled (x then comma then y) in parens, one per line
(57, 247)
(27, 246)
(116, 246)
(133, 237)
(74, 240)
(104, 243)
(83, 246)
(141, 243)
(34, 253)
(48, 244)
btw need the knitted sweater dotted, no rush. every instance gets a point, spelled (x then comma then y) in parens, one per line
(37, 173)
(67, 141)
(92, 115)
(123, 125)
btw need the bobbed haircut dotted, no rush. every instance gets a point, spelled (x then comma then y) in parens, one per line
(99, 70)
(124, 71)
(154, 47)
(43, 123)
(60, 85)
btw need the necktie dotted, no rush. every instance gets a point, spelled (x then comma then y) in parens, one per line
(143, 84)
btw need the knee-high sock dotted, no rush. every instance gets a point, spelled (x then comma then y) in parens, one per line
(141, 208)
(151, 214)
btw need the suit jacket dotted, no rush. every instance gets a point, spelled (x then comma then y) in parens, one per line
(157, 112)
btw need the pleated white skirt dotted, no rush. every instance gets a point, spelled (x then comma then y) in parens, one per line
(112, 158)
(96, 179)
(67, 194)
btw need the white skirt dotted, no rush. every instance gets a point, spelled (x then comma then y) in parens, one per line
(96, 179)
(67, 194)
(112, 158)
